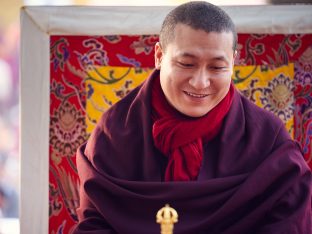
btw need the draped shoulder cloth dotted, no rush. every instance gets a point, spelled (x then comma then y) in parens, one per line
(253, 178)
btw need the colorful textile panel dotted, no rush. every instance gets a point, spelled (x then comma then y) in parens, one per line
(118, 83)
(271, 89)
(89, 74)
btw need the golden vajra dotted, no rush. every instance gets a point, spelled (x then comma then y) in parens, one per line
(166, 217)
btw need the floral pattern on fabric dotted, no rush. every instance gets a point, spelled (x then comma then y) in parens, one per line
(118, 83)
(271, 89)
(88, 74)
(303, 103)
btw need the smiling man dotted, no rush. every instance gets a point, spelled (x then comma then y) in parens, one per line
(187, 137)
(195, 69)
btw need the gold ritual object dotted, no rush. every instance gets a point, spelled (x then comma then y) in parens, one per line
(166, 217)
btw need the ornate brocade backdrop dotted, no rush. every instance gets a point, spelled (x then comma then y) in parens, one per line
(89, 74)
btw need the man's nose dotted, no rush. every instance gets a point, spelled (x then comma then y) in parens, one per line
(200, 79)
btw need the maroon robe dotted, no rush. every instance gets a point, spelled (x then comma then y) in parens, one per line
(253, 177)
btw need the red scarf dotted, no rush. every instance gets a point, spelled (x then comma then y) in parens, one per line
(180, 137)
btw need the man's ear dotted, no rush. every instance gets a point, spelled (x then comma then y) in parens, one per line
(233, 61)
(234, 56)
(158, 55)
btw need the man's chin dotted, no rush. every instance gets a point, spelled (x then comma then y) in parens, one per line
(195, 112)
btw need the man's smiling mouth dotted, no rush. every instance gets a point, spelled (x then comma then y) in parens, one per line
(195, 95)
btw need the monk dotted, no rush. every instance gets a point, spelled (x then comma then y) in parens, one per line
(188, 138)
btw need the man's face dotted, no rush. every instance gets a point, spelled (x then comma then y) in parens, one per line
(195, 69)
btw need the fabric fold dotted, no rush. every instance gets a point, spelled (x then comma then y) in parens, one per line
(249, 176)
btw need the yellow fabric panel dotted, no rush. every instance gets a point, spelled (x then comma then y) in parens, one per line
(108, 85)
(269, 88)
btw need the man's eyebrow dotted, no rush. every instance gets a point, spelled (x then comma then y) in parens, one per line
(220, 58)
(186, 54)
(189, 55)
